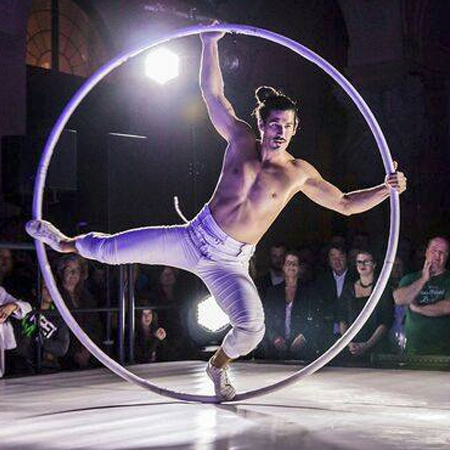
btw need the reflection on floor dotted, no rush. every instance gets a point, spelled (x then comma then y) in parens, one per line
(334, 409)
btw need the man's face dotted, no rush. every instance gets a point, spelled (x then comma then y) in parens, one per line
(277, 257)
(291, 266)
(277, 130)
(437, 254)
(337, 261)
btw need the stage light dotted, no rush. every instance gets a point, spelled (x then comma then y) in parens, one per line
(162, 65)
(210, 316)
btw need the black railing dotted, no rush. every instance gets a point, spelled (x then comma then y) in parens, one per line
(126, 305)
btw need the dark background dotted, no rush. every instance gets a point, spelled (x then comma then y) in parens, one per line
(396, 53)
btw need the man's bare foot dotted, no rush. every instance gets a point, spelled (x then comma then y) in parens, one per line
(47, 233)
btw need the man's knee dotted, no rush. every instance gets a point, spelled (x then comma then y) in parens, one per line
(252, 332)
(247, 332)
(258, 334)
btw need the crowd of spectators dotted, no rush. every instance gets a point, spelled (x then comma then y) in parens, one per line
(311, 296)
(307, 309)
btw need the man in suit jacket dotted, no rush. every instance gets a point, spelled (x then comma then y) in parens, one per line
(330, 284)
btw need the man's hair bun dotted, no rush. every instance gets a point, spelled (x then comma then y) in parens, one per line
(264, 92)
(270, 99)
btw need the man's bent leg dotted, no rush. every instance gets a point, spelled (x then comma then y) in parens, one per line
(237, 295)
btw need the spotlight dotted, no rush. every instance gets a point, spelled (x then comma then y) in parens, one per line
(162, 65)
(210, 316)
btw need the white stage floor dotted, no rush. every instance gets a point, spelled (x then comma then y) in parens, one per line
(334, 409)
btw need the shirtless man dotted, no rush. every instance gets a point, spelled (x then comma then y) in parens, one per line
(258, 179)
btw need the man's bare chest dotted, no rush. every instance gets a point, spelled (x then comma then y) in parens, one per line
(257, 180)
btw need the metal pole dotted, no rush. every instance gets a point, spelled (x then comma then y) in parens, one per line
(109, 340)
(121, 318)
(131, 312)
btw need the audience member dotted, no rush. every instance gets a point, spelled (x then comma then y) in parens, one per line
(308, 262)
(427, 293)
(304, 312)
(354, 297)
(46, 329)
(96, 282)
(292, 315)
(275, 274)
(72, 272)
(173, 296)
(9, 307)
(330, 284)
(360, 240)
(150, 338)
(337, 241)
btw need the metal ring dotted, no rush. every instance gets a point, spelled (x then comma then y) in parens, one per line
(387, 162)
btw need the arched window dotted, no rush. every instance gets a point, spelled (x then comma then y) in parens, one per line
(61, 36)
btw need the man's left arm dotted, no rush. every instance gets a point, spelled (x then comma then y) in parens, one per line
(438, 309)
(326, 194)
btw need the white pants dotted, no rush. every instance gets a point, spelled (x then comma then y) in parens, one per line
(204, 249)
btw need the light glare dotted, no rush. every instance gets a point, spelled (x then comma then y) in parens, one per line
(210, 316)
(162, 65)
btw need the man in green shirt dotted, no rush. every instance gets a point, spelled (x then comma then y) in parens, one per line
(427, 293)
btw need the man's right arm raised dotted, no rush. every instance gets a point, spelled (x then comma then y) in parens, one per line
(407, 294)
(220, 110)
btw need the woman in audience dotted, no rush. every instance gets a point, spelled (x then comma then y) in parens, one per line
(72, 273)
(292, 315)
(150, 338)
(353, 299)
(174, 297)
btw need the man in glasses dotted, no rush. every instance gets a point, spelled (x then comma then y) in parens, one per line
(427, 293)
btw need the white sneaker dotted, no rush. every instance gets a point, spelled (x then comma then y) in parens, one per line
(44, 231)
(222, 385)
